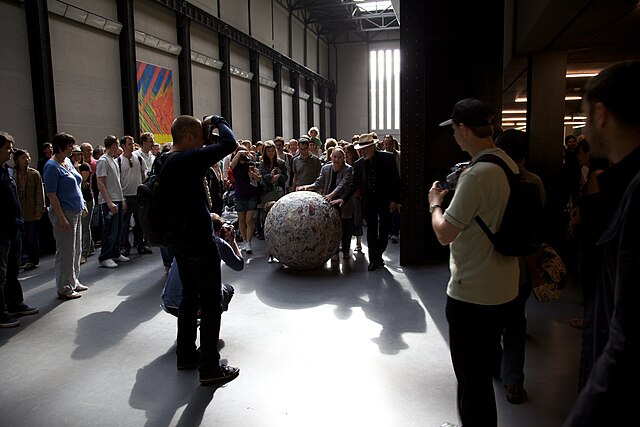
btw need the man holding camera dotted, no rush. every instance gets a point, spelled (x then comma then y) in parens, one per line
(224, 235)
(483, 282)
(182, 173)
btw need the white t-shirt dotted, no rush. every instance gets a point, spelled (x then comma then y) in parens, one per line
(147, 158)
(131, 173)
(107, 167)
(479, 273)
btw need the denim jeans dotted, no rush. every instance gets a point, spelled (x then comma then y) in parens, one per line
(111, 232)
(68, 251)
(132, 211)
(167, 256)
(514, 337)
(10, 288)
(87, 239)
(31, 242)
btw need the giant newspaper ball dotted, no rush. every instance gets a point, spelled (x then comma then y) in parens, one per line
(302, 230)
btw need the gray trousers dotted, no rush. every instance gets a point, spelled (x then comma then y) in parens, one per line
(68, 251)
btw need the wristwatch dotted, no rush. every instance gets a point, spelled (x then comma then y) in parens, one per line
(432, 207)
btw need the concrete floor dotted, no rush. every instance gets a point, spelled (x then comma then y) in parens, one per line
(339, 346)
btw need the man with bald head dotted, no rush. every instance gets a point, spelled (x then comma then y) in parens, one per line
(182, 172)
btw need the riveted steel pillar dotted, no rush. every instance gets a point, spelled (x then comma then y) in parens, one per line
(42, 85)
(128, 74)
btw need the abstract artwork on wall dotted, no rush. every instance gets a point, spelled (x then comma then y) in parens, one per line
(155, 100)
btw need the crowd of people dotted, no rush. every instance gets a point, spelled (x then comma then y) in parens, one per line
(80, 188)
(487, 291)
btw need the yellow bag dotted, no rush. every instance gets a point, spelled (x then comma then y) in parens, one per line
(553, 273)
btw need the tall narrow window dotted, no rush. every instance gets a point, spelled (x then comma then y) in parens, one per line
(384, 86)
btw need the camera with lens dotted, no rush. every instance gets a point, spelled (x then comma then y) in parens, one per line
(227, 229)
(209, 136)
(452, 178)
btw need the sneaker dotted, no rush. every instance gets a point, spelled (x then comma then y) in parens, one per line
(80, 287)
(30, 266)
(108, 263)
(248, 248)
(121, 258)
(394, 239)
(7, 321)
(83, 260)
(227, 373)
(516, 394)
(448, 424)
(126, 252)
(23, 310)
(69, 294)
(144, 250)
(271, 260)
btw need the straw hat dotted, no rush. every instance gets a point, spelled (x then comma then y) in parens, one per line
(365, 140)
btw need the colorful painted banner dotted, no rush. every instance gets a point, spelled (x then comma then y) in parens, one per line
(155, 100)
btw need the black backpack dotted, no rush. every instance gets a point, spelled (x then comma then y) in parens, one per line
(519, 231)
(160, 216)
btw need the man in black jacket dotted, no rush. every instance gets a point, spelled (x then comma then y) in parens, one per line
(376, 175)
(11, 229)
(613, 130)
(182, 172)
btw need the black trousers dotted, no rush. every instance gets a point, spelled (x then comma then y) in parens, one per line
(378, 220)
(474, 334)
(199, 266)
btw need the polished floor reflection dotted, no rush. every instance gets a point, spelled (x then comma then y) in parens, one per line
(339, 346)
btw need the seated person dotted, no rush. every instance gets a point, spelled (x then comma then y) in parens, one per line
(229, 253)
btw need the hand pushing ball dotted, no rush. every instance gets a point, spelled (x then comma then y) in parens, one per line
(302, 230)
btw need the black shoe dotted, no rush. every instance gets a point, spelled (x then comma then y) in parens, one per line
(7, 321)
(516, 394)
(144, 250)
(22, 310)
(226, 374)
(227, 294)
(189, 362)
(373, 265)
(125, 252)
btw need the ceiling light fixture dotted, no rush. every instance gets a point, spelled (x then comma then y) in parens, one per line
(579, 75)
(566, 98)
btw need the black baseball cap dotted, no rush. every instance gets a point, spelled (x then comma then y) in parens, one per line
(471, 112)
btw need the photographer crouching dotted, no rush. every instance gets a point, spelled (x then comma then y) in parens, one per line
(230, 254)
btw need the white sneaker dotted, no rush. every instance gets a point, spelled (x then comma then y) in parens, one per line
(80, 288)
(108, 263)
(248, 248)
(121, 258)
(242, 246)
